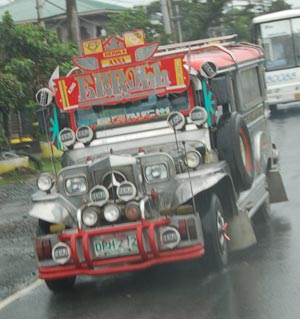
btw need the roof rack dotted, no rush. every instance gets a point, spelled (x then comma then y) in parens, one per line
(196, 44)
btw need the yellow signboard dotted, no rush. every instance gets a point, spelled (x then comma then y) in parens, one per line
(92, 46)
(134, 38)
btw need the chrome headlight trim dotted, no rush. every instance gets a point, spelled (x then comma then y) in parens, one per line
(156, 172)
(45, 182)
(89, 216)
(111, 213)
(76, 185)
(193, 159)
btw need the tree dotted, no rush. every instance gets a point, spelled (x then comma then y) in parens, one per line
(11, 94)
(28, 55)
(238, 20)
(197, 17)
(279, 5)
(133, 19)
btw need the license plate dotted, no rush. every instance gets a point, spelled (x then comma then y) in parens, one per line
(118, 245)
(297, 96)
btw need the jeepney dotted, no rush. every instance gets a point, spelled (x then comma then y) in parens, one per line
(167, 157)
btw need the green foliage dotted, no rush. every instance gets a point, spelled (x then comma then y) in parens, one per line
(28, 56)
(239, 20)
(11, 92)
(278, 5)
(196, 18)
(133, 19)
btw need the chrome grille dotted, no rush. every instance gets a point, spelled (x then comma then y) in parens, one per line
(102, 175)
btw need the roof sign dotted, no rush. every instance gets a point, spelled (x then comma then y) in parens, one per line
(119, 70)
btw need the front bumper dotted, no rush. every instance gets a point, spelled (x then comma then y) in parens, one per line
(84, 262)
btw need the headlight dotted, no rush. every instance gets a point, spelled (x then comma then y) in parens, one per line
(90, 217)
(192, 159)
(111, 213)
(45, 182)
(132, 211)
(76, 185)
(156, 172)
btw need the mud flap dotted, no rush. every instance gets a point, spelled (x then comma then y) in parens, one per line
(241, 232)
(276, 187)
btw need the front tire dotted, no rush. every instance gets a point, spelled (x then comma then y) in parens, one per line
(263, 213)
(61, 285)
(55, 285)
(214, 229)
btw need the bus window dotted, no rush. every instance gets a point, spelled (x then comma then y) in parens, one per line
(278, 44)
(296, 32)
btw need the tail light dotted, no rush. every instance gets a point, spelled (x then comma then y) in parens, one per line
(187, 229)
(182, 229)
(192, 228)
(43, 249)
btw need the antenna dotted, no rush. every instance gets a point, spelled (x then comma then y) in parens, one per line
(190, 180)
(49, 142)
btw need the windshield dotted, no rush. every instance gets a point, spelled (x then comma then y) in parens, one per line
(280, 40)
(151, 109)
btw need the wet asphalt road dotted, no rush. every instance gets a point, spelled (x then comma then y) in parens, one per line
(260, 282)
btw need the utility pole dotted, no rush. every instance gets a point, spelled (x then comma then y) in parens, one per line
(166, 16)
(73, 21)
(39, 9)
(178, 22)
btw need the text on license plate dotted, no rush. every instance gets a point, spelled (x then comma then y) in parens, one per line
(116, 246)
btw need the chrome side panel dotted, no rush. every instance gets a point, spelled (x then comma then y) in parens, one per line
(193, 183)
(250, 200)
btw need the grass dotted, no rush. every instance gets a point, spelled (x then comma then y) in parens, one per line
(20, 175)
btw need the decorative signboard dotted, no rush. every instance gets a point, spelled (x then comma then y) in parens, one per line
(119, 70)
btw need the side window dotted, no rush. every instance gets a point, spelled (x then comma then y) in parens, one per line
(250, 90)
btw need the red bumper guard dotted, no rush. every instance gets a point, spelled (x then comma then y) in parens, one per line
(118, 264)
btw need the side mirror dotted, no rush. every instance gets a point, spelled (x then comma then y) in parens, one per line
(221, 90)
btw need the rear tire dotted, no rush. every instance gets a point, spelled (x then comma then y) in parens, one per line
(263, 213)
(55, 285)
(273, 108)
(214, 227)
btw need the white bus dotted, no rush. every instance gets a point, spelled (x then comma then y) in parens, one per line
(279, 34)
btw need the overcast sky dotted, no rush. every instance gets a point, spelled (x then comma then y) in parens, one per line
(130, 3)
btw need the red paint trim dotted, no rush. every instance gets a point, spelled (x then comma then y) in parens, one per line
(113, 265)
(247, 150)
(73, 121)
(139, 237)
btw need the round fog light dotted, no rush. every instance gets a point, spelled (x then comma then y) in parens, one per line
(90, 217)
(192, 159)
(132, 211)
(111, 213)
(45, 182)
